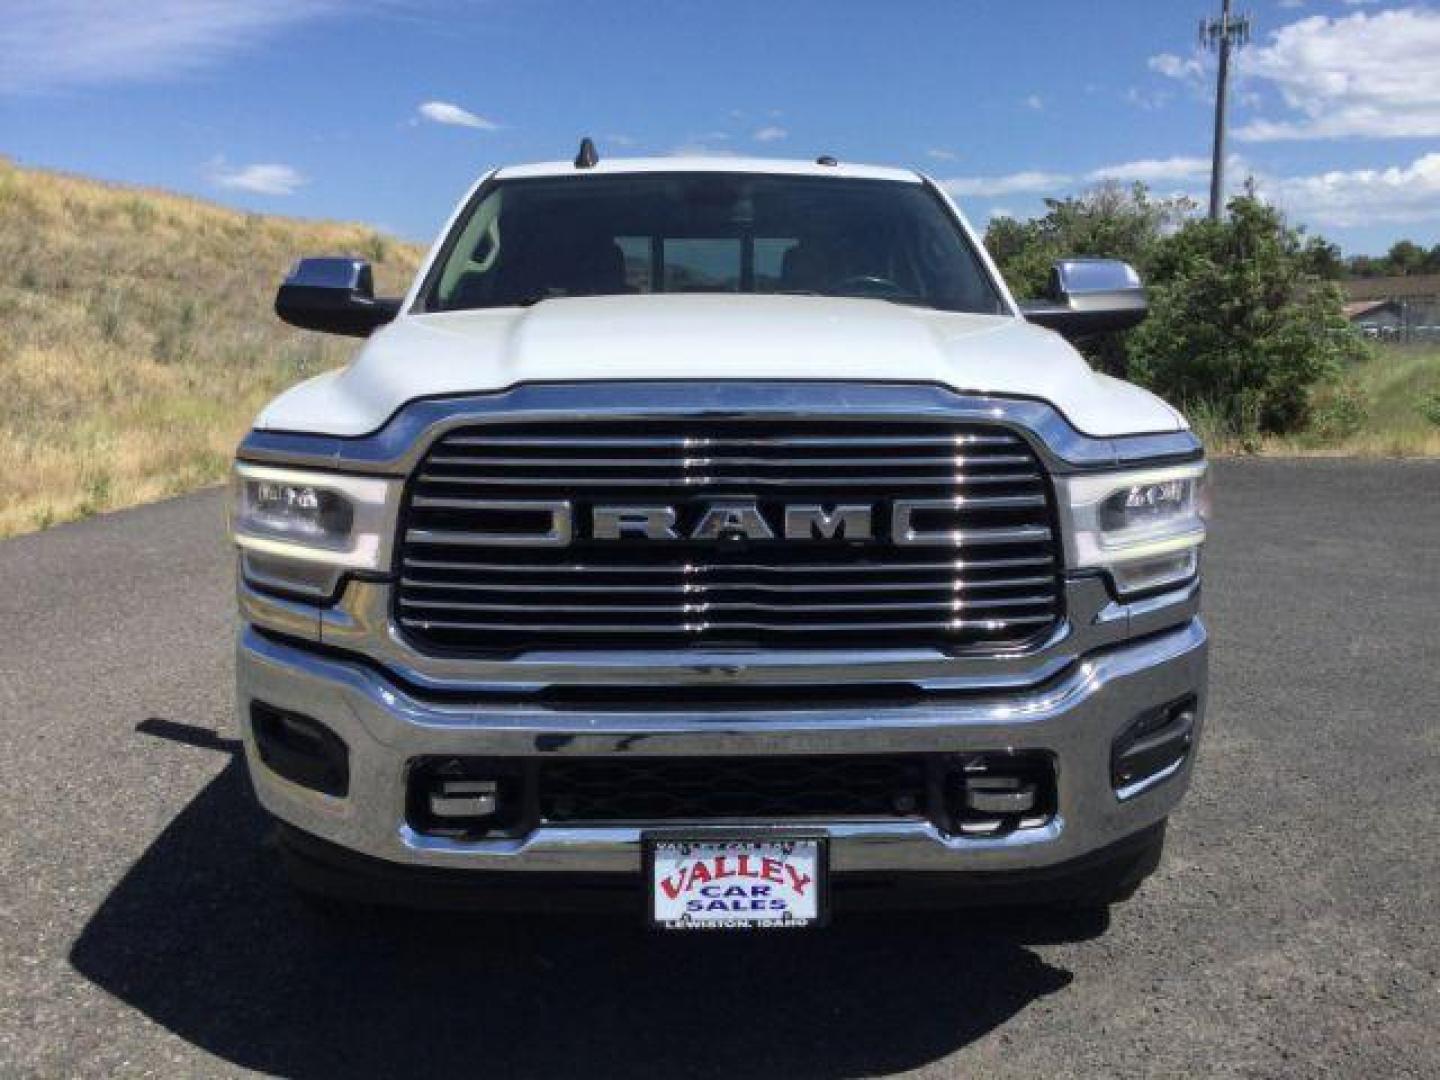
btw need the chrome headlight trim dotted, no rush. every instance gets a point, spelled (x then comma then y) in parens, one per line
(364, 543)
(1171, 534)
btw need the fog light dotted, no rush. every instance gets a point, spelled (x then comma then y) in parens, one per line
(468, 798)
(993, 794)
(999, 795)
(465, 799)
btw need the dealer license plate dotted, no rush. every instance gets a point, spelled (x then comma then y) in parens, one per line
(738, 883)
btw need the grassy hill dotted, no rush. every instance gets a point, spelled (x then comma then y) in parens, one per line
(137, 339)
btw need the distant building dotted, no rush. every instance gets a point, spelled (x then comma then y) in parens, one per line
(1395, 308)
(1375, 318)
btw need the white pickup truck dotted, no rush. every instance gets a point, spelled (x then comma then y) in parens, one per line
(719, 538)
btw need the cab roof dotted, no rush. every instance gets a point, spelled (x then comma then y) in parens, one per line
(772, 166)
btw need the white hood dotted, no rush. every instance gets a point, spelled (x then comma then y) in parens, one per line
(687, 336)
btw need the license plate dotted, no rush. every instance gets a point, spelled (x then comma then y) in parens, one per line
(736, 883)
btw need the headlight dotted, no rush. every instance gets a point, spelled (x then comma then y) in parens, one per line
(301, 530)
(1145, 527)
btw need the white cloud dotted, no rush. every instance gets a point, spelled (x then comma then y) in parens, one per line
(1358, 76)
(703, 145)
(259, 179)
(1036, 102)
(53, 44)
(1029, 182)
(1400, 194)
(1146, 99)
(771, 133)
(1154, 170)
(1039, 182)
(941, 155)
(1176, 67)
(445, 112)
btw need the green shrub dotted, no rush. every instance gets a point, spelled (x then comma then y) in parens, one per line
(1429, 406)
(1339, 409)
(1237, 318)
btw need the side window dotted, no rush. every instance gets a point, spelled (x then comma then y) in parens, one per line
(639, 269)
(770, 255)
(702, 265)
(476, 250)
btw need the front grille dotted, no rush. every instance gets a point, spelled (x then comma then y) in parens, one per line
(705, 789)
(479, 576)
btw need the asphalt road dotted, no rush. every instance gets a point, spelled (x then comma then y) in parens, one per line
(1291, 931)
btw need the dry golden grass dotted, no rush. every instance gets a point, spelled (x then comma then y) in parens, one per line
(137, 340)
(1400, 388)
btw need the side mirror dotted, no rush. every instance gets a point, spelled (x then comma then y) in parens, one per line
(335, 296)
(1089, 297)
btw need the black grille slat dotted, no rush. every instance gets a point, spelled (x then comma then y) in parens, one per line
(703, 608)
(711, 461)
(992, 582)
(732, 788)
(702, 589)
(1001, 535)
(700, 626)
(695, 480)
(886, 441)
(857, 568)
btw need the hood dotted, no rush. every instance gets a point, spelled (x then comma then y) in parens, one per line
(711, 337)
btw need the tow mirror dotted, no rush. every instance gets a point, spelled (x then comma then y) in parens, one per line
(1086, 297)
(334, 296)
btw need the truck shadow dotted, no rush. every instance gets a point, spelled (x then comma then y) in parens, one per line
(203, 936)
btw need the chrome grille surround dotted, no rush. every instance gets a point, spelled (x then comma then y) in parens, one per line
(488, 564)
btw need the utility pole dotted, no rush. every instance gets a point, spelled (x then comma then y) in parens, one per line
(1222, 35)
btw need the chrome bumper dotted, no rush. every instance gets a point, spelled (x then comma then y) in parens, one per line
(1075, 716)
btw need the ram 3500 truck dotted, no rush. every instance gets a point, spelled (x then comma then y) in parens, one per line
(719, 536)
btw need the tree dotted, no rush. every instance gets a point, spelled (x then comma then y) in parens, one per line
(1323, 259)
(1406, 257)
(1245, 315)
(1110, 221)
(1241, 320)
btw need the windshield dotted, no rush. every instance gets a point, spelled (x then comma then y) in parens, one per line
(529, 240)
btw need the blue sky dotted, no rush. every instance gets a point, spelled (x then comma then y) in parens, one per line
(384, 110)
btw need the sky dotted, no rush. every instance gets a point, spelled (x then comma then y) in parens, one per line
(384, 111)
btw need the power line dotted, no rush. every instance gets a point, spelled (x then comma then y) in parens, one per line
(1222, 34)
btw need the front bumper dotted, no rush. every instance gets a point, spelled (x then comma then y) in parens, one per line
(1074, 716)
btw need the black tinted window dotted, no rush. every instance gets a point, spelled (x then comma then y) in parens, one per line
(531, 240)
